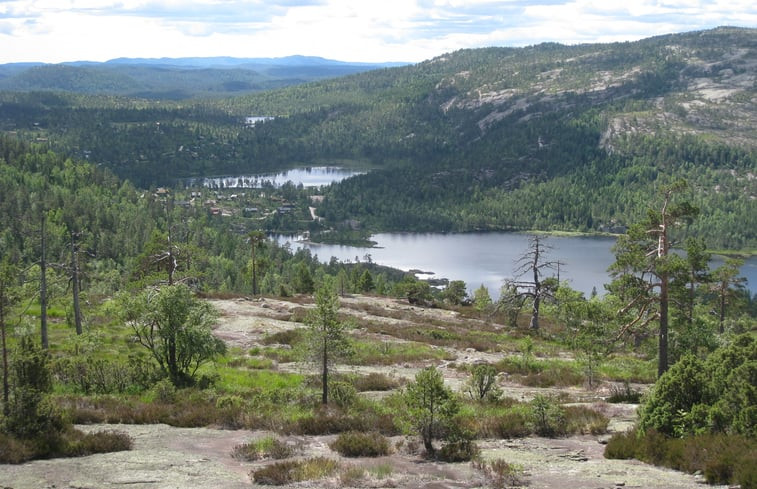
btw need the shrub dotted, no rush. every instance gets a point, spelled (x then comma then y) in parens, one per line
(15, 451)
(559, 375)
(323, 423)
(715, 394)
(99, 442)
(105, 376)
(583, 420)
(333, 421)
(723, 459)
(547, 417)
(29, 412)
(287, 337)
(501, 474)
(290, 471)
(232, 401)
(357, 444)
(342, 394)
(376, 382)
(165, 391)
(458, 451)
(624, 394)
(268, 447)
(431, 406)
(482, 383)
(510, 424)
(352, 476)
(175, 327)
(70, 443)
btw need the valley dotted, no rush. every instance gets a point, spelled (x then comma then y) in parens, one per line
(158, 329)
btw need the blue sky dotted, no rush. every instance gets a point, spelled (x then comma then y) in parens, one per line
(349, 30)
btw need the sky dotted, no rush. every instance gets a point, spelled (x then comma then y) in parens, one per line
(55, 31)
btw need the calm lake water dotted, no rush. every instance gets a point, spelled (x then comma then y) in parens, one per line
(316, 176)
(487, 258)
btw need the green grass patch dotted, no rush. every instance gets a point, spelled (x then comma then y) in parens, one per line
(281, 355)
(386, 353)
(625, 368)
(236, 381)
(533, 372)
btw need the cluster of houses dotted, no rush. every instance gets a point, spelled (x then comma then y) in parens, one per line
(216, 209)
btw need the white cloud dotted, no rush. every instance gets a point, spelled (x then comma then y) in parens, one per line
(364, 30)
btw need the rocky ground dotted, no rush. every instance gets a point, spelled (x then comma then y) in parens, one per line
(165, 457)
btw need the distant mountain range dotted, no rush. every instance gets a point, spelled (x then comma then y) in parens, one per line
(176, 78)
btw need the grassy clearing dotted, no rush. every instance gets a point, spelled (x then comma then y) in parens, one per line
(244, 382)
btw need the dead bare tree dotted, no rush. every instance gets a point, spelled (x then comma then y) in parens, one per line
(533, 264)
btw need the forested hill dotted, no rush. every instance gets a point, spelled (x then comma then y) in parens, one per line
(175, 78)
(542, 137)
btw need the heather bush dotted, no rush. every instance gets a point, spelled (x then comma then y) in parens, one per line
(342, 394)
(375, 382)
(624, 394)
(458, 451)
(326, 421)
(67, 443)
(89, 374)
(723, 459)
(15, 451)
(584, 420)
(622, 446)
(80, 444)
(510, 423)
(290, 471)
(164, 391)
(357, 444)
(500, 474)
(268, 447)
(287, 337)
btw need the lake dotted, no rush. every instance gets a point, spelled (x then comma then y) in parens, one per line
(487, 258)
(316, 176)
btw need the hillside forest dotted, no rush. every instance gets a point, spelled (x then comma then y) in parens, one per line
(112, 263)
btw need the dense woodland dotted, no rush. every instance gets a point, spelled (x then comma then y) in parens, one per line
(547, 137)
(102, 247)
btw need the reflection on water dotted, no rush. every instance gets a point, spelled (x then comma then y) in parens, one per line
(317, 176)
(487, 258)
